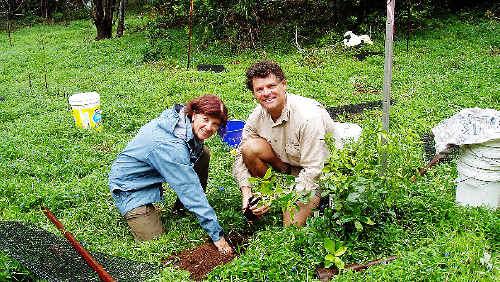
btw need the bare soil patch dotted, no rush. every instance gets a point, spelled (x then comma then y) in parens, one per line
(202, 259)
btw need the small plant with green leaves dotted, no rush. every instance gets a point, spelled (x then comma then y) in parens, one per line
(352, 180)
(277, 190)
(335, 250)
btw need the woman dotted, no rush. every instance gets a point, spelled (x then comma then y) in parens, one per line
(169, 149)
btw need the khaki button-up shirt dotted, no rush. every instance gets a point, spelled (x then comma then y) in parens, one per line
(297, 138)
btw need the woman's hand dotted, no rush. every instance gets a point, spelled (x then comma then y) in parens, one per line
(223, 247)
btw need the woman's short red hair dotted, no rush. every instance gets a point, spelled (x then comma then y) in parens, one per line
(210, 105)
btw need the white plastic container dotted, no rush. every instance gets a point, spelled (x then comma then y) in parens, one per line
(86, 110)
(345, 133)
(478, 182)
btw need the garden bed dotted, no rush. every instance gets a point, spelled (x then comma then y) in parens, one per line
(201, 260)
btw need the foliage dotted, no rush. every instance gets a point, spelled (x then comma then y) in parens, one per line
(251, 24)
(11, 270)
(278, 190)
(35, 10)
(448, 67)
(335, 250)
(274, 256)
(440, 260)
(354, 182)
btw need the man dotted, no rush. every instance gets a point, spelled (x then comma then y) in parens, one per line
(284, 131)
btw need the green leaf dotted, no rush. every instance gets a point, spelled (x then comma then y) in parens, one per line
(340, 251)
(329, 258)
(369, 221)
(329, 245)
(266, 187)
(339, 263)
(352, 197)
(328, 263)
(268, 174)
(358, 167)
(358, 225)
(254, 180)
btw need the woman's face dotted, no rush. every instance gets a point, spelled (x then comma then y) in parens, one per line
(205, 126)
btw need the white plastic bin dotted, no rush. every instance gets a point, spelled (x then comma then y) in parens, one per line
(478, 182)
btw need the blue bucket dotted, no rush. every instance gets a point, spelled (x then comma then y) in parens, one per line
(231, 135)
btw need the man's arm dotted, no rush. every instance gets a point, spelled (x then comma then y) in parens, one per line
(240, 171)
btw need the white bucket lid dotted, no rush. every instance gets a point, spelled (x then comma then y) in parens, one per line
(84, 98)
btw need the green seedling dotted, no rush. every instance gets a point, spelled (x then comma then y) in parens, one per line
(278, 190)
(335, 251)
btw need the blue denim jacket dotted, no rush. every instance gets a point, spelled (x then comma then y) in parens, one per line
(164, 150)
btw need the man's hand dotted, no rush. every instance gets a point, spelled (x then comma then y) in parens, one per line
(259, 211)
(246, 194)
(223, 246)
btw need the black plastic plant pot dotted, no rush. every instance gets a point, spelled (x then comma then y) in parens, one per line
(249, 215)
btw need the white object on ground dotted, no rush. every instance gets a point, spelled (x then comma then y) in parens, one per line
(355, 40)
(345, 133)
(478, 132)
(469, 126)
(478, 182)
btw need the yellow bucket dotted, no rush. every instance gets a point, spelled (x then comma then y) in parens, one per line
(86, 110)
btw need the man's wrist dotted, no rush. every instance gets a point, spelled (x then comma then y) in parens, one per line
(245, 190)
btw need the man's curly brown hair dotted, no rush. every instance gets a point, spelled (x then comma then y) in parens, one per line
(261, 70)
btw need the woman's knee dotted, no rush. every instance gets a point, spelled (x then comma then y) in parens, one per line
(144, 222)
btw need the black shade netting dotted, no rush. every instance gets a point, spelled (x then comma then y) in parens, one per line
(430, 150)
(53, 258)
(354, 108)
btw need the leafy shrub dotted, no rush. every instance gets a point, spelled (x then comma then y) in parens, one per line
(358, 183)
(278, 190)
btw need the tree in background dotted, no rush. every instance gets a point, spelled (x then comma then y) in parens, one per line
(102, 12)
(121, 18)
(11, 9)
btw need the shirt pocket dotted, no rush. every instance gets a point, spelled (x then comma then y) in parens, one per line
(292, 150)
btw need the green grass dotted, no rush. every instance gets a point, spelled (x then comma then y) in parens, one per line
(44, 157)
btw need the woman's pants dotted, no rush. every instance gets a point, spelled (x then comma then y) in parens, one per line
(145, 222)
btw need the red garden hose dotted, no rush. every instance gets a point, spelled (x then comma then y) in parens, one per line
(103, 275)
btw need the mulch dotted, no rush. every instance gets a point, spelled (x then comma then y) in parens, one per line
(200, 261)
(204, 258)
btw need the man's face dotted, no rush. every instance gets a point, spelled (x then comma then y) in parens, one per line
(270, 92)
(205, 126)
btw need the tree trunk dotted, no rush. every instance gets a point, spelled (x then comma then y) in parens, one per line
(44, 9)
(103, 18)
(121, 18)
(10, 16)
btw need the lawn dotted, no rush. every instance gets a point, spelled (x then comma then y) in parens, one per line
(451, 64)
